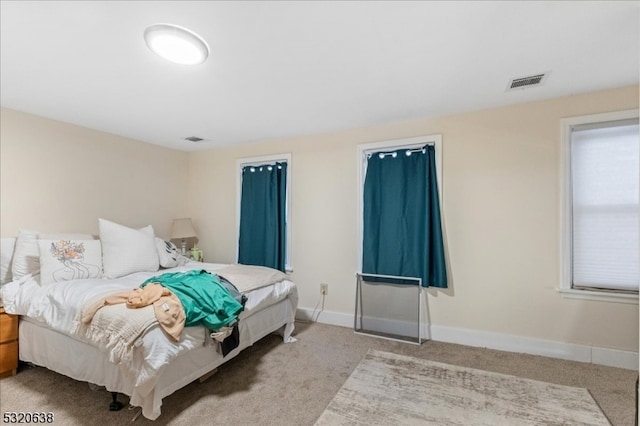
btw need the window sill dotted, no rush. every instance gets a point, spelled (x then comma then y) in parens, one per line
(599, 296)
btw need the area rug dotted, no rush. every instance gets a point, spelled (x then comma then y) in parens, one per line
(391, 389)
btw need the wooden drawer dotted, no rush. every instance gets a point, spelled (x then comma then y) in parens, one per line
(8, 327)
(8, 344)
(8, 358)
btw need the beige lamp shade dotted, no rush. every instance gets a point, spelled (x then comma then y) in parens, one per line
(182, 228)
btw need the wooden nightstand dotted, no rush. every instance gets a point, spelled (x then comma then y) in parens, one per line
(8, 344)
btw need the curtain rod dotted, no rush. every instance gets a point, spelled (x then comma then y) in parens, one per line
(269, 166)
(393, 154)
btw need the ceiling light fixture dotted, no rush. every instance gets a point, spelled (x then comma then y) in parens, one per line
(176, 44)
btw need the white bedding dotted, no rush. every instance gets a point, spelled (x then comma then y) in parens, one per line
(58, 305)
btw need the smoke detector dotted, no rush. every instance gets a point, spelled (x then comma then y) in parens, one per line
(526, 82)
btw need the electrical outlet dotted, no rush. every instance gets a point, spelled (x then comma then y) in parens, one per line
(324, 289)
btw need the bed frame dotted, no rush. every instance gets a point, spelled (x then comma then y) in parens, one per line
(48, 348)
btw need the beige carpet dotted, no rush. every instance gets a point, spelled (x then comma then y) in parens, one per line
(278, 384)
(391, 389)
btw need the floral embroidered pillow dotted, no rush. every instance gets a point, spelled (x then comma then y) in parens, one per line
(65, 260)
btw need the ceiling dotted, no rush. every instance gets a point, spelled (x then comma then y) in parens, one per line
(283, 69)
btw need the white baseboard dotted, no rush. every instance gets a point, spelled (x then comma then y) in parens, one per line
(499, 341)
(325, 317)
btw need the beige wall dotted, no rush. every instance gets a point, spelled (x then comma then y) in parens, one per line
(500, 191)
(57, 177)
(501, 218)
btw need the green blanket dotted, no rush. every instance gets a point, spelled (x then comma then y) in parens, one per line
(204, 299)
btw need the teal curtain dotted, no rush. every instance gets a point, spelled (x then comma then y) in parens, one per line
(263, 205)
(402, 232)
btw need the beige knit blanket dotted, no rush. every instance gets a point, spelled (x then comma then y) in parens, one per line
(115, 329)
(250, 277)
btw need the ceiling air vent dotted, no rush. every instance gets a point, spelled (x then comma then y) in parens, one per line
(193, 139)
(525, 82)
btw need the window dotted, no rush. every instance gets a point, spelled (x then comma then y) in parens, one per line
(262, 211)
(401, 241)
(601, 240)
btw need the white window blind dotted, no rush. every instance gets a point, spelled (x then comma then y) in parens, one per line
(605, 216)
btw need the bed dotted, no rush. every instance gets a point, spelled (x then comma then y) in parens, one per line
(155, 366)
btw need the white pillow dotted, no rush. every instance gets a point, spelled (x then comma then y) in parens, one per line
(7, 246)
(169, 254)
(64, 260)
(26, 256)
(126, 250)
(66, 237)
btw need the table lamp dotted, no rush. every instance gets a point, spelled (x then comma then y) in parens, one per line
(181, 229)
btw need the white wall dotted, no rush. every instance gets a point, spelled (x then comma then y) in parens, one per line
(501, 218)
(57, 177)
